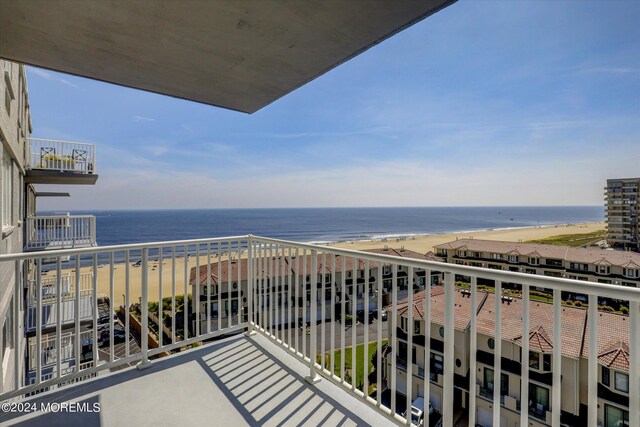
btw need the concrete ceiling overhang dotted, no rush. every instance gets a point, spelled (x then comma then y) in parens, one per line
(236, 54)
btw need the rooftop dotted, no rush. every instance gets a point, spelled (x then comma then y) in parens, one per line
(581, 255)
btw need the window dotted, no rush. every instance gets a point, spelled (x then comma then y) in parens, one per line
(622, 382)
(496, 256)
(605, 376)
(441, 331)
(603, 269)
(546, 362)
(539, 397)
(491, 343)
(504, 381)
(436, 365)
(534, 360)
(7, 100)
(615, 417)
(403, 323)
(534, 260)
(513, 258)
(416, 327)
(7, 189)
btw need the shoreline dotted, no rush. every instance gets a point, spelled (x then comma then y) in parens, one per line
(421, 244)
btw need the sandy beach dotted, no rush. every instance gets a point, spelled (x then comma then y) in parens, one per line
(419, 244)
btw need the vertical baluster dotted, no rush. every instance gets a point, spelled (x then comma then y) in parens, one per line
(332, 307)
(94, 293)
(557, 359)
(379, 321)
(208, 309)
(240, 313)
(343, 316)
(313, 376)
(365, 304)
(17, 302)
(173, 295)
(251, 286)
(354, 321)
(160, 301)
(127, 327)
(59, 316)
(634, 368)
(219, 286)
(410, 325)
(289, 299)
(524, 374)
(426, 385)
(322, 311)
(111, 305)
(394, 335)
(296, 305)
(449, 355)
(196, 298)
(38, 321)
(270, 285)
(497, 353)
(276, 293)
(592, 377)
(144, 315)
(77, 317)
(306, 283)
(185, 305)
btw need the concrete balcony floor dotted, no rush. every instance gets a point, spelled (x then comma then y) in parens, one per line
(233, 382)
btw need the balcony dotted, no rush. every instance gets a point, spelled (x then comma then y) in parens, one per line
(60, 162)
(51, 232)
(276, 372)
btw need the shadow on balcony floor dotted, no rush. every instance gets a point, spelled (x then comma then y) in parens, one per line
(233, 382)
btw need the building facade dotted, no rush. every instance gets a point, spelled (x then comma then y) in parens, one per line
(613, 360)
(588, 264)
(622, 203)
(27, 164)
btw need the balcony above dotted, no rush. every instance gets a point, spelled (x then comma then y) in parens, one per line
(237, 381)
(60, 162)
(60, 232)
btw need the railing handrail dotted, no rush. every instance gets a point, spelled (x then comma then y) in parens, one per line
(115, 248)
(58, 216)
(61, 141)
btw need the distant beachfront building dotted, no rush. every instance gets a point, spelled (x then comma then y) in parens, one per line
(284, 286)
(622, 200)
(588, 264)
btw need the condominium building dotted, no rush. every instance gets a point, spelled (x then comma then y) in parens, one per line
(613, 360)
(27, 165)
(286, 283)
(622, 203)
(588, 264)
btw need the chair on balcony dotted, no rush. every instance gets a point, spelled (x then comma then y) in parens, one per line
(79, 157)
(46, 153)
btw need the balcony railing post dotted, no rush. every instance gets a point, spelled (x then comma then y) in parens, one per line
(313, 283)
(144, 312)
(250, 287)
(449, 298)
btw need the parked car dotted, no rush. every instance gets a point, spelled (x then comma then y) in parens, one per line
(118, 337)
(105, 332)
(417, 414)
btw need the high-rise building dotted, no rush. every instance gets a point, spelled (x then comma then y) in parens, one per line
(623, 211)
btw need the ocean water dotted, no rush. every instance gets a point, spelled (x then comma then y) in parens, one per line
(323, 225)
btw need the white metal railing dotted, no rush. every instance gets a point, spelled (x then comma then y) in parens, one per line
(60, 232)
(304, 322)
(64, 156)
(68, 288)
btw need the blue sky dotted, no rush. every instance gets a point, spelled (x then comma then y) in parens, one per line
(484, 103)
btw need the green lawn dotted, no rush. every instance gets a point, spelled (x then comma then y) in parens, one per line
(574, 240)
(348, 351)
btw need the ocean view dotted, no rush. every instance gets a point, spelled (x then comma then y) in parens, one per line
(325, 225)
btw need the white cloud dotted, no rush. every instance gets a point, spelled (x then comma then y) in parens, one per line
(143, 119)
(50, 76)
